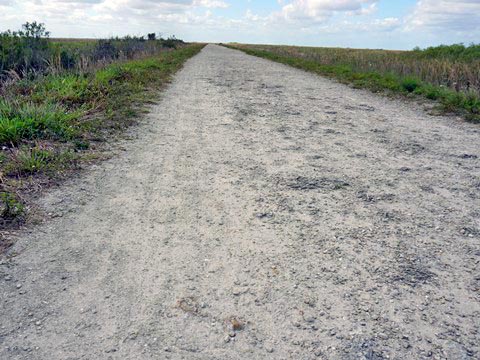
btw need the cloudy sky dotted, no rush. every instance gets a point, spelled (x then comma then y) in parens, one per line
(392, 24)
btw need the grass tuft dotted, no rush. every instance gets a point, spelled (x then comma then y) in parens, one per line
(11, 208)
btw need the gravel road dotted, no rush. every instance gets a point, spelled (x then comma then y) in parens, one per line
(259, 212)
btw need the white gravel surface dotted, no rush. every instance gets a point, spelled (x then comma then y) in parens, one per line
(259, 212)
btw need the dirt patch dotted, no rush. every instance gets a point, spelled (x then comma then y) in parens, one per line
(305, 183)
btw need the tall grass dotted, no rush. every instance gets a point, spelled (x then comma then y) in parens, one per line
(449, 74)
(30, 51)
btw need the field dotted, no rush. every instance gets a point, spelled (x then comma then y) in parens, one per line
(61, 98)
(447, 74)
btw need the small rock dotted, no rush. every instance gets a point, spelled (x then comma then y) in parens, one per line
(236, 324)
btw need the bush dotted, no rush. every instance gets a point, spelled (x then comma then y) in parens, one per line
(24, 51)
(105, 50)
(67, 59)
(171, 43)
(410, 84)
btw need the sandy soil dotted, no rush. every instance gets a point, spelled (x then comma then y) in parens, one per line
(260, 212)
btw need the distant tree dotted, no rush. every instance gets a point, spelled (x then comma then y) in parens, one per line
(25, 51)
(34, 30)
(152, 36)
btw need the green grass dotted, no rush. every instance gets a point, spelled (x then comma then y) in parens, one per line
(466, 103)
(25, 120)
(11, 208)
(28, 161)
(47, 122)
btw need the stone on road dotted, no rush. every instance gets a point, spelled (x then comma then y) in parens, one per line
(259, 212)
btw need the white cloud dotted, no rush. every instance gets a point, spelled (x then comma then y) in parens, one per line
(111, 11)
(456, 15)
(321, 10)
(211, 3)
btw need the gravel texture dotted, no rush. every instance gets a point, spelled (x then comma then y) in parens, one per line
(259, 212)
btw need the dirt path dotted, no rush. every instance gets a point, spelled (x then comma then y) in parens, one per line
(259, 213)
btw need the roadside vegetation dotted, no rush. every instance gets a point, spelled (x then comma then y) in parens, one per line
(447, 74)
(60, 99)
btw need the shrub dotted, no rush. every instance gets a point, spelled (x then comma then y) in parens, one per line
(105, 50)
(410, 84)
(67, 59)
(25, 51)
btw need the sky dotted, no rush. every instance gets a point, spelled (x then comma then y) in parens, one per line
(387, 24)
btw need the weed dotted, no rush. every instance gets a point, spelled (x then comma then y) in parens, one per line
(10, 207)
(410, 84)
(27, 161)
(33, 161)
